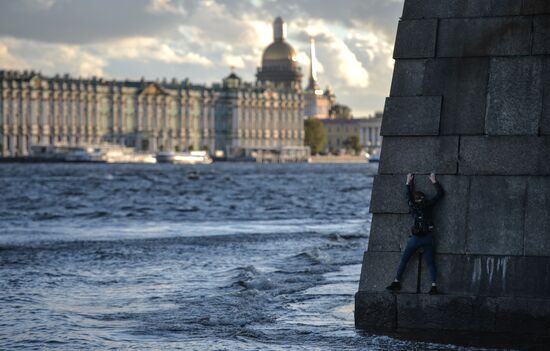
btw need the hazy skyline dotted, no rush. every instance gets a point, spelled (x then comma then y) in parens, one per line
(201, 39)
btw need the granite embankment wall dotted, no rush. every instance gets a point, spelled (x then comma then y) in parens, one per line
(470, 100)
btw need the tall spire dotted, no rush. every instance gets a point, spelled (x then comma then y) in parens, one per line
(279, 29)
(313, 84)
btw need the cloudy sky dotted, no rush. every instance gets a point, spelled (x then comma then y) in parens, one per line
(202, 39)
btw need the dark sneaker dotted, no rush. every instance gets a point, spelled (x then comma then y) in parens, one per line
(394, 286)
(433, 290)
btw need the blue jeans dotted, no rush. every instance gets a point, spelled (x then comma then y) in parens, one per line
(426, 242)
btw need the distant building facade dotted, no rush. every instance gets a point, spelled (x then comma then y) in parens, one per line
(150, 116)
(264, 124)
(234, 118)
(367, 131)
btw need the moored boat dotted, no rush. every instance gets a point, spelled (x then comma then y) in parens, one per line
(193, 157)
(102, 153)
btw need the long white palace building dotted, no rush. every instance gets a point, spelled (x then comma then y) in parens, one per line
(235, 117)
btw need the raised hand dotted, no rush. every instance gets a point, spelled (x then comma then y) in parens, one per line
(410, 177)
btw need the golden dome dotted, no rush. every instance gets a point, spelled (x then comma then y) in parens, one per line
(279, 50)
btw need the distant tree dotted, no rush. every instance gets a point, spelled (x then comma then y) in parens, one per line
(352, 143)
(340, 111)
(316, 136)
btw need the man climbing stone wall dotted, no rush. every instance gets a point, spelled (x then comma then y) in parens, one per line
(470, 100)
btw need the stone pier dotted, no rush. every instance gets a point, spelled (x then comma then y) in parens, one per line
(470, 100)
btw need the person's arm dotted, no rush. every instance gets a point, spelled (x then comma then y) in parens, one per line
(438, 188)
(410, 188)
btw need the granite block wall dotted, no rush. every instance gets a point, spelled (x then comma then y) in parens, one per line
(470, 100)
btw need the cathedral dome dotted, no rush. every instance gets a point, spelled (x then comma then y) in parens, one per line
(279, 50)
(280, 62)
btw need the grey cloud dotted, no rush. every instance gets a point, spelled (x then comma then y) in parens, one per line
(84, 21)
(381, 14)
(377, 14)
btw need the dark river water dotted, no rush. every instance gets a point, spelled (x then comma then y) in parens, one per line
(163, 257)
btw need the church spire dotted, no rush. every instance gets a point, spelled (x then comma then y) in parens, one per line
(279, 29)
(313, 84)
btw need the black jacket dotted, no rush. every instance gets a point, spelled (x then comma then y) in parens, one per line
(422, 213)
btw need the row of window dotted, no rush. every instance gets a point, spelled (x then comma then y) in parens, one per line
(269, 133)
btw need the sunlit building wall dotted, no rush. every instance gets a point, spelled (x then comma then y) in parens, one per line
(235, 118)
(367, 131)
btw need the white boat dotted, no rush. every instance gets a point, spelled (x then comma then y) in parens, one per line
(103, 153)
(374, 159)
(192, 158)
(108, 153)
(367, 155)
